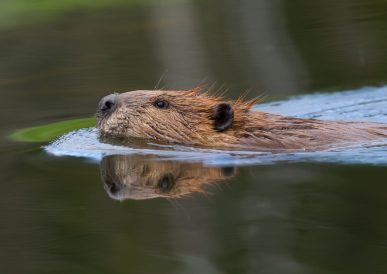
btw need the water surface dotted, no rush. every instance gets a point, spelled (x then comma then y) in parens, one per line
(362, 105)
(65, 214)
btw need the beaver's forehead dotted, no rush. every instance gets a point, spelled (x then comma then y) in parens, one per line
(144, 96)
(149, 93)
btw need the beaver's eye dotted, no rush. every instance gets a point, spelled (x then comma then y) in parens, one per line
(166, 183)
(161, 104)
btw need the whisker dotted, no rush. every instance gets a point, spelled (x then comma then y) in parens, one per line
(161, 78)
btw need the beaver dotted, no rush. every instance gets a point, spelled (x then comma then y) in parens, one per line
(137, 177)
(196, 118)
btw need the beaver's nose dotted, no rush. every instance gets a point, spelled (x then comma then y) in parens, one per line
(108, 103)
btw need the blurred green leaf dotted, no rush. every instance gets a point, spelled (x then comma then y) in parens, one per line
(49, 132)
(14, 12)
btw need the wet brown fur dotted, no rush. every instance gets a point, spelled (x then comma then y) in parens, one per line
(189, 121)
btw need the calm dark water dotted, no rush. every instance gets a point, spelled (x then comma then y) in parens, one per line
(61, 214)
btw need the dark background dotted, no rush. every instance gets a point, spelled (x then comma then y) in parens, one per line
(58, 58)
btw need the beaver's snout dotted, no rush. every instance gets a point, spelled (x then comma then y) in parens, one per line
(107, 104)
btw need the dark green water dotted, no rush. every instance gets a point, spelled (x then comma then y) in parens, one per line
(56, 62)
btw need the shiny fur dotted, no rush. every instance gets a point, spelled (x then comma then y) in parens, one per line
(189, 120)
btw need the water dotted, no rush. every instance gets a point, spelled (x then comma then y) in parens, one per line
(242, 213)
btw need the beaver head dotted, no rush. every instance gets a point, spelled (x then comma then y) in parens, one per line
(185, 117)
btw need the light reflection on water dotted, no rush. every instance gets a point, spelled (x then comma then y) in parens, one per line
(137, 177)
(366, 104)
(294, 216)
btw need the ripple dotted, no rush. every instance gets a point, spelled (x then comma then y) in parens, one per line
(366, 104)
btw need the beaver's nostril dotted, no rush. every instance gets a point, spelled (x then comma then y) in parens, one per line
(108, 102)
(107, 105)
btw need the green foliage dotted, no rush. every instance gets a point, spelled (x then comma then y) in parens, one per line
(14, 12)
(49, 132)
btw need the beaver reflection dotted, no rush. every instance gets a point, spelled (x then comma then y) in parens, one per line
(139, 177)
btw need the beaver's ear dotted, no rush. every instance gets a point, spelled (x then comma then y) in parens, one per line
(223, 116)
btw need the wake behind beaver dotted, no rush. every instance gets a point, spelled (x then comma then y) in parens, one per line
(363, 105)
